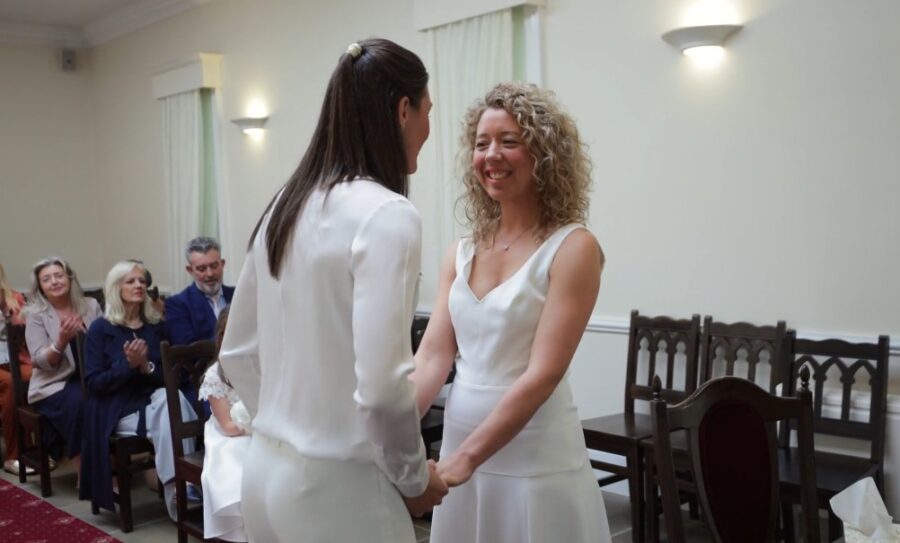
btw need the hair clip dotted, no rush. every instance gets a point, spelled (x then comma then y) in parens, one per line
(354, 50)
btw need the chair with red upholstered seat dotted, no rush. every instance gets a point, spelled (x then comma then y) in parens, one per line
(732, 445)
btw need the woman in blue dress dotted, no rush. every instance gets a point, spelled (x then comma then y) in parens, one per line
(124, 379)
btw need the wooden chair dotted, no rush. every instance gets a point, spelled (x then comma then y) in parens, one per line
(742, 349)
(730, 426)
(675, 340)
(191, 360)
(97, 294)
(30, 423)
(131, 455)
(842, 365)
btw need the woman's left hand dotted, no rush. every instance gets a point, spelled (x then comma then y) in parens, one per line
(455, 469)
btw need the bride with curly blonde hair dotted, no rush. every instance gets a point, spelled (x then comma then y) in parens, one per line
(514, 299)
(562, 167)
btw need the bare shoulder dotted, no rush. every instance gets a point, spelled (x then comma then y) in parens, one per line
(580, 250)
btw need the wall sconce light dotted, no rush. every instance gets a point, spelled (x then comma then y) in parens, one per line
(252, 126)
(703, 44)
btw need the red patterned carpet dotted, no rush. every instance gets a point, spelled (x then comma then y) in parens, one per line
(25, 518)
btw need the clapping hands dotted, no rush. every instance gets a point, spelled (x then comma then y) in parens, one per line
(136, 353)
(69, 327)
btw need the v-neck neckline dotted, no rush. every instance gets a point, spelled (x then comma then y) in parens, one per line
(528, 260)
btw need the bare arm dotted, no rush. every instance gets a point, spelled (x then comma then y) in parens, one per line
(574, 286)
(436, 353)
(222, 411)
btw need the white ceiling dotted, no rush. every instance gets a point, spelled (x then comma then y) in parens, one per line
(76, 13)
(81, 23)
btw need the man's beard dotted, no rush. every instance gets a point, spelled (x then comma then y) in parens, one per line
(209, 290)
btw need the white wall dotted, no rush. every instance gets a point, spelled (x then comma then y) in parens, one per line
(279, 52)
(763, 190)
(48, 181)
(759, 191)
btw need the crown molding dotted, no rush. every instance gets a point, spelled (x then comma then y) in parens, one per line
(113, 25)
(135, 17)
(37, 34)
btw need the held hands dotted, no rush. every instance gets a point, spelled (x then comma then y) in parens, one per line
(136, 354)
(455, 469)
(433, 495)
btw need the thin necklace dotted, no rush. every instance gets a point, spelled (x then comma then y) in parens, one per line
(506, 246)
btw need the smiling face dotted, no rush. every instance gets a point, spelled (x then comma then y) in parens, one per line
(415, 126)
(133, 288)
(500, 158)
(54, 282)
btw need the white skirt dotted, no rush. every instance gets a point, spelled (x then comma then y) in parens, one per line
(492, 508)
(223, 465)
(159, 432)
(539, 488)
(289, 498)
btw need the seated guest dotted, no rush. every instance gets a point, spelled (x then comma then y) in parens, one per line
(125, 385)
(226, 440)
(191, 314)
(55, 314)
(11, 304)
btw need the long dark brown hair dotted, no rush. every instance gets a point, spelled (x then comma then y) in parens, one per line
(358, 135)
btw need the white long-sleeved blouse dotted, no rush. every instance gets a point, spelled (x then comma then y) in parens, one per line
(321, 356)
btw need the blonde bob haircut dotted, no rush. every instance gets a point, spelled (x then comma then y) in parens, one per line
(38, 302)
(115, 307)
(562, 167)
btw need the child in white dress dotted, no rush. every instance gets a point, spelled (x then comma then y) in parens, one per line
(227, 438)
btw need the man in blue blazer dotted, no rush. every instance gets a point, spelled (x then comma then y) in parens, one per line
(191, 314)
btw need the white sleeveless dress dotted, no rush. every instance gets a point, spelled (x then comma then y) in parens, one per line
(539, 488)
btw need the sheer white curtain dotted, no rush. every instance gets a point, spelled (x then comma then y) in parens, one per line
(467, 58)
(188, 167)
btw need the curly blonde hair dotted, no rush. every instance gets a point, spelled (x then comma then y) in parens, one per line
(562, 167)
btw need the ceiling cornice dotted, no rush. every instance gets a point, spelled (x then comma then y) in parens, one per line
(105, 29)
(35, 34)
(135, 17)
